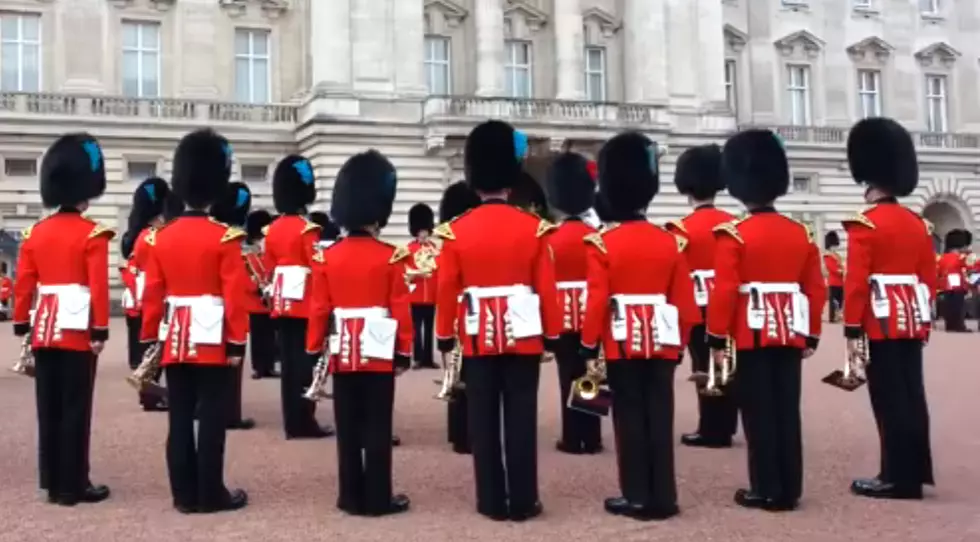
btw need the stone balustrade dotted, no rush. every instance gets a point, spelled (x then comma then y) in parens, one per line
(600, 115)
(837, 136)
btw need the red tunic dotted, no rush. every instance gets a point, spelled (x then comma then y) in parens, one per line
(357, 280)
(629, 264)
(128, 280)
(500, 246)
(697, 229)
(569, 250)
(423, 289)
(134, 278)
(6, 288)
(195, 271)
(952, 271)
(290, 242)
(892, 309)
(769, 287)
(835, 269)
(63, 267)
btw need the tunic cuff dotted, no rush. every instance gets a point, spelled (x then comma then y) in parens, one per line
(716, 342)
(551, 344)
(21, 329)
(100, 334)
(812, 342)
(402, 361)
(233, 350)
(852, 332)
(446, 345)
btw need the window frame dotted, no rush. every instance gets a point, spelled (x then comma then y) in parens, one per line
(805, 88)
(942, 97)
(511, 66)
(590, 72)
(431, 64)
(140, 50)
(251, 56)
(20, 42)
(875, 94)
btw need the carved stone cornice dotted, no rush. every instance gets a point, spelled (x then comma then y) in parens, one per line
(735, 39)
(800, 44)
(452, 13)
(159, 5)
(272, 9)
(937, 55)
(607, 24)
(871, 49)
(533, 17)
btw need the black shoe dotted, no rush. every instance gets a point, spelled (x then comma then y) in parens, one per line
(160, 406)
(186, 509)
(235, 500)
(519, 514)
(258, 376)
(315, 433)
(593, 449)
(243, 424)
(747, 499)
(493, 514)
(64, 500)
(653, 513)
(876, 489)
(617, 506)
(566, 448)
(462, 449)
(399, 503)
(95, 493)
(396, 440)
(698, 440)
(781, 505)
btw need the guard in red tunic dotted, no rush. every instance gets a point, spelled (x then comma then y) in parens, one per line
(232, 209)
(261, 332)
(208, 323)
(571, 191)
(329, 232)
(769, 291)
(888, 287)
(698, 176)
(6, 291)
(834, 264)
(145, 217)
(360, 300)
(290, 242)
(497, 258)
(640, 310)
(62, 272)
(953, 281)
(422, 284)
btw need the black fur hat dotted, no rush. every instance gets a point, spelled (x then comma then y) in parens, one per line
(570, 186)
(628, 172)
(529, 195)
(173, 207)
(602, 209)
(698, 172)
(754, 167)
(364, 192)
(420, 218)
(954, 240)
(202, 168)
(255, 222)
(881, 153)
(831, 240)
(233, 206)
(456, 200)
(72, 171)
(493, 155)
(328, 230)
(967, 238)
(148, 201)
(293, 185)
(127, 242)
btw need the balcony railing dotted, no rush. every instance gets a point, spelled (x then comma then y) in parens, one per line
(834, 135)
(163, 109)
(545, 111)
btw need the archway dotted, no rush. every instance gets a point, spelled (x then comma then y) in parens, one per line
(945, 216)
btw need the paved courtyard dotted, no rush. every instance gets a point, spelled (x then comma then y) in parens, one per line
(292, 484)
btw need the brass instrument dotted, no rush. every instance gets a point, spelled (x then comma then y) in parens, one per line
(852, 376)
(451, 375)
(424, 261)
(25, 364)
(586, 387)
(714, 382)
(265, 288)
(321, 373)
(142, 377)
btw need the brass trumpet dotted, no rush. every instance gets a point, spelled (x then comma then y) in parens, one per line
(451, 375)
(586, 387)
(143, 377)
(318, 388)
(852, 376)
(714, 382)
(25, 364)
(258, 277)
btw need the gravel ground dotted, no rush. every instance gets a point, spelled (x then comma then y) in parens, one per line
(292, 484)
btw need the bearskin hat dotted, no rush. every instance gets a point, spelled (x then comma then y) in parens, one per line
(754, 167)
(202, 168)
(72, 171)
(328, 230)
(148, 201)
(293, 185)
(954, 240)
(233, 206)
(967, 238)
(602, 209)
(628, 172)
(698, 172)
(831, 240)
(527, 194)
(364, 192)
(456, 200)
(420, 218)
(570, 184)
(255, 222)
(126, 243)
(881, 153)
(493, 155)
(173, 207)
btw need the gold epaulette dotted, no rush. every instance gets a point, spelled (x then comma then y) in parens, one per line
(596, 240)
(676, 224)
(99, 229)
(401, 252)
(151, 237)
(730, 228)
(544, 227)
(444, 231)
(310, 226)
(231, 232)
(858, 219)
(318, 256)
(681, 242)
(607, 227)
(26, 234)
(265, 230)
(806, 228)
(971, 259)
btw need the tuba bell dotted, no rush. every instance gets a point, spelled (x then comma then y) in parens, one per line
(143, 377)
(25, 363)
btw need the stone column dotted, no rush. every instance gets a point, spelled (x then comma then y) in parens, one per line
(711, 37)
(489, 48)
(409, 32)
(645, 47)
(330, 45)
(569, 49)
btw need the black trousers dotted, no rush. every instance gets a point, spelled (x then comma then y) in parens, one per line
(63, 385)
(643, 419)
(234, 409)
(457, 422)
(423, 319)
(768, 383)
(506, 465)
(363, 404)
(196, 466)
(298, 414)
(578, 429)
(136, 349)
(954, 310)
(262, 337)
(836, 302)
(898, 400)
(717, 415)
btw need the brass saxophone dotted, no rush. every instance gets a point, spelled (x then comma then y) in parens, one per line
(451, 374)
(25, 364)
(142, 377)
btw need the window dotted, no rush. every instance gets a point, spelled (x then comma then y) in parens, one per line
(936, 105)
(869, 93)
(437, 65)
(19, 167)
(252, 66)
(801, 184)
(254, 174)
(517, 69)
(731, 85)
(799, 95)
(141, 59)
(930, 7)
(863, 5)
(20, 52)
(595, 74)
(138, 172)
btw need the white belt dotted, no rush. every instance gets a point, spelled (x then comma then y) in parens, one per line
(894, 280)
(193, 300)
(703, 274)
(480, 292)
(365, 313)
(572, 285)
(62, 289)
(770, 288)
(640, 299)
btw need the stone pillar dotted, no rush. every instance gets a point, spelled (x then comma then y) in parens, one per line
(489, 48)
(409, 32)
(711, 38)
(330, 45)
(645, 47)
(685, 55)
(569, 49)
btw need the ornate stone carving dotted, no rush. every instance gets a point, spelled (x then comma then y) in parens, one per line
(606, 23)
(558, 144)
(800, 44)
(533, 17)
(937, 55)
(451, 12)
(871, 49)
(272, 9)
(735, 39)
(434, 143)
